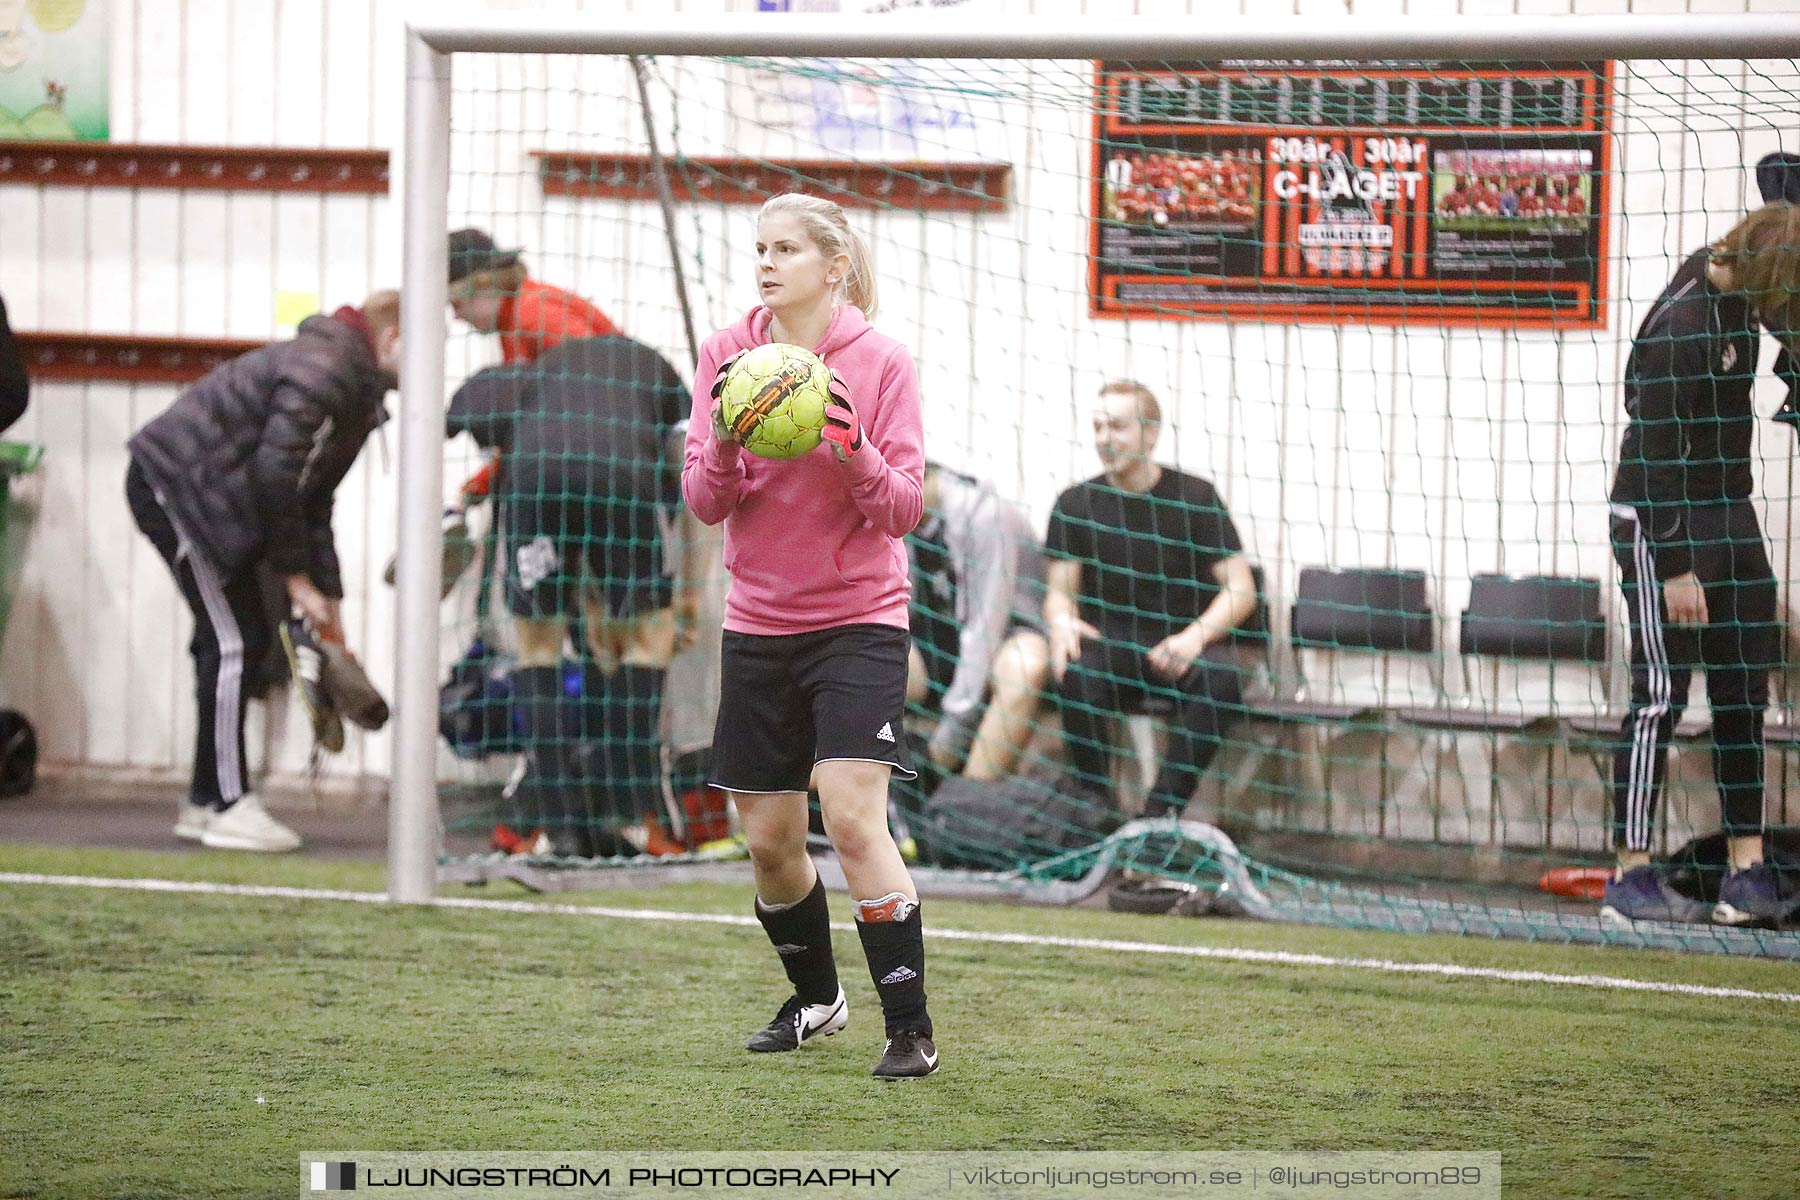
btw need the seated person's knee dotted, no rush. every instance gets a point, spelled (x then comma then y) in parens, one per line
(1022, 666)
(540, 641)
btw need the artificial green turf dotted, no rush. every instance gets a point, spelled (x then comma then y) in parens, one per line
(138, 1031)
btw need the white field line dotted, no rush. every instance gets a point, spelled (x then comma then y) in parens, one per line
(1109, 945)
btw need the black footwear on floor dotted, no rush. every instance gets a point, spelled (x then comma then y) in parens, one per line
(1645, 894)
(573, 841)
(797, 1023)
(910, 1055)
(1756, 896)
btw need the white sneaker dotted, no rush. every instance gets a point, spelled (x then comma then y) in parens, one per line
(247, 825)
(191, 825)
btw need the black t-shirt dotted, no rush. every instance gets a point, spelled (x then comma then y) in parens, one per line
(590, 417)
(1147, 558)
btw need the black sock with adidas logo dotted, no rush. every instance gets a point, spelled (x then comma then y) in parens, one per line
(801, 934)
(893, 940)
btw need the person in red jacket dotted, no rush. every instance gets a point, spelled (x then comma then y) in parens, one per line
(491, 290)
(813, 665)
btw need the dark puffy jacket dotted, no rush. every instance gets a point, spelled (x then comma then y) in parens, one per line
(14, 386)
(247, 458)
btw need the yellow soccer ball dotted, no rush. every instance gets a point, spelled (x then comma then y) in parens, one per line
(774, 400)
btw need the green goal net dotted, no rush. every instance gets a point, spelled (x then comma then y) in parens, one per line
(1290, 391)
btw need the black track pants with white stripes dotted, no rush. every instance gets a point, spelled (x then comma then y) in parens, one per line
(230, 629)
(1737, 648)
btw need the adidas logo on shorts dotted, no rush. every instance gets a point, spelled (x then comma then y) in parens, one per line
(900, 975)
(886, 733)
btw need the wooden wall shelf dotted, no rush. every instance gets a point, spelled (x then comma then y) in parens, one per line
(129, 358)
(213, 168)
(937, 186)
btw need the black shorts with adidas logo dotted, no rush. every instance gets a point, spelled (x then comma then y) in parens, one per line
(789, 701)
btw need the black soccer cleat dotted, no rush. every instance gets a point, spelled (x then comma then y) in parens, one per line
(910, 1055)
(797, 1024)
(306, 663)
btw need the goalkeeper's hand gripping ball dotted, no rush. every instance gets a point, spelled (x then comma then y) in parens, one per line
(772, 399)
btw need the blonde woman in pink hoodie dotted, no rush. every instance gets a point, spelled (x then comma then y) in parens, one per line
(815, 647)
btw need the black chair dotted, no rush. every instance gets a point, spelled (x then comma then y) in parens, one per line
(1535, 619)
(1363, 609)
(1370, 610)
(1538, 618)
(1377, 611)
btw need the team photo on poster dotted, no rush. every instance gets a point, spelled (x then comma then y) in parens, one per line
(1354, 193)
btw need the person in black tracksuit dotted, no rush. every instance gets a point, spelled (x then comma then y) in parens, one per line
(1693, 567)
(240, 471)
(585, 431)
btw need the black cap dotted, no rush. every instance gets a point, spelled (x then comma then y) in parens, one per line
(1778, 177)
(472, 250)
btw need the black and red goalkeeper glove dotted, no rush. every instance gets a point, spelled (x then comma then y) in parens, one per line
(843, 429)
(721, 429)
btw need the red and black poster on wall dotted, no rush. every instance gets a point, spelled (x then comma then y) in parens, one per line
(1351, 193)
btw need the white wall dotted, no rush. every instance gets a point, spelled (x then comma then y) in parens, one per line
(1453, 452)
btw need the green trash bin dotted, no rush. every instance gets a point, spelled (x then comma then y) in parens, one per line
(18, 741)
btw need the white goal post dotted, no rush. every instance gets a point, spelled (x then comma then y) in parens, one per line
(431, 50)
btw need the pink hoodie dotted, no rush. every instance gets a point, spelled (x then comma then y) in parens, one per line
(813, 543)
